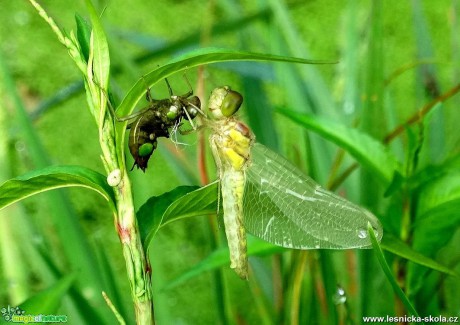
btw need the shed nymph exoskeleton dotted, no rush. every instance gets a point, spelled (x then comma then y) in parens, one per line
(156, 120)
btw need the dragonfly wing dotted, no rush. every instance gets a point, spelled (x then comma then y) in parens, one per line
(286, 208)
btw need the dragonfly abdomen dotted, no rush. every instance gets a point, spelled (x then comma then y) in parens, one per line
(232, 185)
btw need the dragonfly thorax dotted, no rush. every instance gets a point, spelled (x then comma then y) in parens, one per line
(233, 140)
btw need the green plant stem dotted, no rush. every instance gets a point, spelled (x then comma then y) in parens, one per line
(137, 264)
(96, 75)
(114, 310)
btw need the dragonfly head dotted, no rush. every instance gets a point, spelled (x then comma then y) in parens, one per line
(224, 102)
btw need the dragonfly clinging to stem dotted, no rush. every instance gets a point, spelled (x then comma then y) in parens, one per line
(266, 195)
(156, 120)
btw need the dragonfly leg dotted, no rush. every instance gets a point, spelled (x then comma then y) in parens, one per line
(215, 153)
(190, 92)
(174, 135)
(169, 88)
(185, 132)
(128, 117)
(199, 110)
(112, 109)
(148, 94)
(189, 118)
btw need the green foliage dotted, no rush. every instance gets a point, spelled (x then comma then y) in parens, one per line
(386, 269)
(381, 107)
(48, 301)
(182, 202)
(367, 151)
(51, 178)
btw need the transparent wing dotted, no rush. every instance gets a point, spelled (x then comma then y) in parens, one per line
(286, 208)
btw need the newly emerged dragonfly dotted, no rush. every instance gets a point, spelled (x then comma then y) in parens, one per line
(156, 120)
(266, 195)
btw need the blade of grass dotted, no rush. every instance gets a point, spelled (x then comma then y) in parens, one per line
(49, 300)
(10, 219)
(260, 110)
(304, 90)
(373, 123)
(398, 247)
(316, 87)
(220, 257)
(390, 277)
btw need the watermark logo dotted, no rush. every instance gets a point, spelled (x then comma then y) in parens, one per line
(17, 315)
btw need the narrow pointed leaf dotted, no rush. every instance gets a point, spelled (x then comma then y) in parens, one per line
(396, 246)
(182, 202)
(221, 257)
(386, 269)
(83, 35)
(99, 48)
(51, 178)
(49, 300)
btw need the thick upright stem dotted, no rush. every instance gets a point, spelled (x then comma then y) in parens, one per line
(137, 264)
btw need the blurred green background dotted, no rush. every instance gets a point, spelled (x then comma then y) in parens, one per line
(394, 58)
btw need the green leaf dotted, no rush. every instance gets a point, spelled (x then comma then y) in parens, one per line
(396, 184)
(197, 58)
(48, 301)
(432, 172)
(190, 60)
(437, 221)
(386, 269)
(99, 48)
(368, 152)
(221, 257)
(182, 202)
(83, 35)
(150, 214)
(98, 66)
(54, 177)
(438, 217)
(398, 247)
(439, 191)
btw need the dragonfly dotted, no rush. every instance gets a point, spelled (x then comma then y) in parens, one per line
(156, 120)
(267, 196)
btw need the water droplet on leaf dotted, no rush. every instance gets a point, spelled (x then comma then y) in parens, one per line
(340, 297)
(362, 233)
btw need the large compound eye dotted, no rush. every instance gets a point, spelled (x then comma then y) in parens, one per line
(231, 103)
(193, 106)
(194, 100)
